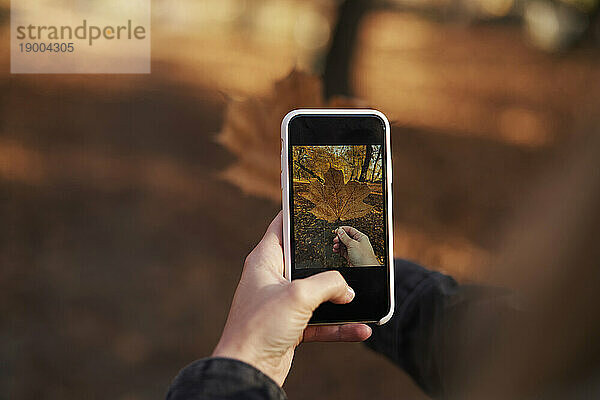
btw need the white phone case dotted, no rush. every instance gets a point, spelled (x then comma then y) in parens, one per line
(285, 190)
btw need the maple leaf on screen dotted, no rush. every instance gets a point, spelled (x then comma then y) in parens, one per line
(335, 199)
(251, 131)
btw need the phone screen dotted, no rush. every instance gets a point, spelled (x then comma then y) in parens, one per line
(338, 204)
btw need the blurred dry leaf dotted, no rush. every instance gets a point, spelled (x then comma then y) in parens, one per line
(336, 200)
(252, 131)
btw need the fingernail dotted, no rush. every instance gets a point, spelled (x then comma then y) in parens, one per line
(350, 294)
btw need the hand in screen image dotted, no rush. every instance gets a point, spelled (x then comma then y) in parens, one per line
(355, 247)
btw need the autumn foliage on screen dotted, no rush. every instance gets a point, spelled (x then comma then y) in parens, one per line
(336, 186)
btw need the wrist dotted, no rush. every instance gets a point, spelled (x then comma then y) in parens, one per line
(239, 352)
(231, 349)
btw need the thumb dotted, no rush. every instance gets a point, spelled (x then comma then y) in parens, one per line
(347, 240)
(322, 287)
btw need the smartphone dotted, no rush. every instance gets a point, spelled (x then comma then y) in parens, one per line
(337, 207)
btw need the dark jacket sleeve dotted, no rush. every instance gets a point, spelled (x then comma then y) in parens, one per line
(421, 337)
(223, 379)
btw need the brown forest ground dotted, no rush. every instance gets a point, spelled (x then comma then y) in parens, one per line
(120, 246)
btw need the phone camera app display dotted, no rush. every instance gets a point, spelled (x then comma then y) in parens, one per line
(339, 210)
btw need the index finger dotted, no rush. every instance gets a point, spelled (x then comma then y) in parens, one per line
(268, 253)
(274, 232)
(337, 333)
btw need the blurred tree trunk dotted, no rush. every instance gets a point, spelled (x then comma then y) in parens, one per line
(338, 63)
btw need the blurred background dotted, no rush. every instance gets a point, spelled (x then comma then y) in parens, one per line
(122, 239)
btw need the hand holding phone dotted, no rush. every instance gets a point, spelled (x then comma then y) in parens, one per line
(268, 315)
